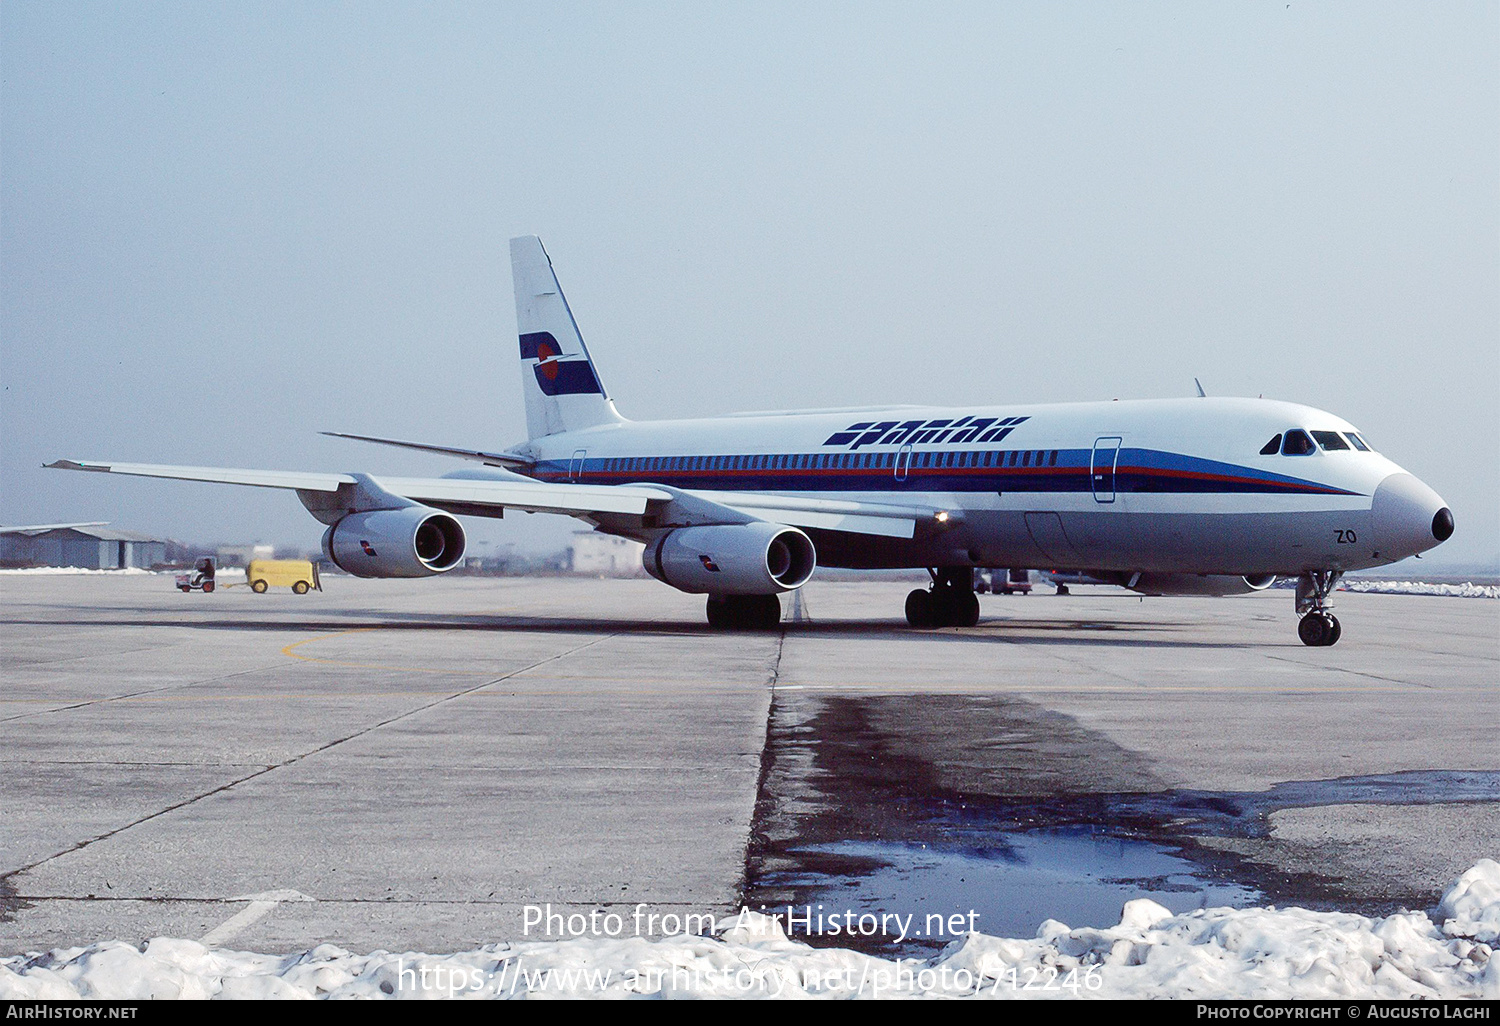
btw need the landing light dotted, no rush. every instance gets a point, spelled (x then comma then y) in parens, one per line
(941, 517)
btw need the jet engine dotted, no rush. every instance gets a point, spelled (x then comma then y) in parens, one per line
(416, 541)
(1191, 584)
(732, 559)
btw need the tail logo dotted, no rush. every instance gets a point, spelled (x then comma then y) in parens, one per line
(548, 367)
(556, 375)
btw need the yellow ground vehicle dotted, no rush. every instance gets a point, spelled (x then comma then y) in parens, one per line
(297, 574)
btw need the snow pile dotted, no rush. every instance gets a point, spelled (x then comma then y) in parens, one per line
(1464, 590)
(1213, 953)
(73, 570)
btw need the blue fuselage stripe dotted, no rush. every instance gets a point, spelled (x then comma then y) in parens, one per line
(1063, 470)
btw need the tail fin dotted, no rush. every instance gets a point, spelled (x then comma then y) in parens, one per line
(562, 389)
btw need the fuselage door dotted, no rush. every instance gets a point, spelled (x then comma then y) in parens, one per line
(575, 469)
(1102, 468)
(903, 462)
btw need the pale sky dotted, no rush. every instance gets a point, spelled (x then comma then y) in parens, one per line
(224, 228)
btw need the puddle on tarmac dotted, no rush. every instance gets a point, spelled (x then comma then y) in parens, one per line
(1001, 808)
(1079, 875)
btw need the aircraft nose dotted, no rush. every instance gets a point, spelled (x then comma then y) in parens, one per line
(1408, 517)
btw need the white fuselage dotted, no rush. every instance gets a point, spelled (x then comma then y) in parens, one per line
(1173, 485)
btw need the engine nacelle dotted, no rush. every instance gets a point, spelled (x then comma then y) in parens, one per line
(1193, 584)
(732, 559)
(416, 541)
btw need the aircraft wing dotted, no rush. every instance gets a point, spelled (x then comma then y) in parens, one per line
(852, 516)
(470, 496)
(490, 493)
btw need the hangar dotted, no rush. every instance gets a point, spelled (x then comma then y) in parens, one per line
(92, 548)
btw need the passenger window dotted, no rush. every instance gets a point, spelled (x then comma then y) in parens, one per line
(1297, 443)
(1330, 440)
(1356, 441)
(1272, 447)
(1053, 461)
(1026, 459)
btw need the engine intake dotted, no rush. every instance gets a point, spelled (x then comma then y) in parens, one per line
(732, 559)
(416, 541)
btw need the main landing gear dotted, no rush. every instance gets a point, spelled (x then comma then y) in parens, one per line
(744, 612)
(950, 602)
(1318, 627)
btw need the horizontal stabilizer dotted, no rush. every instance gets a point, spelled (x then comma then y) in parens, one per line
(493, 459)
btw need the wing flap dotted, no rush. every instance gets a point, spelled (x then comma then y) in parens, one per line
(532, 496)
(851, 515)
(885, 527)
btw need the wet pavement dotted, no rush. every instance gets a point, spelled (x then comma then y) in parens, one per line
(1039, 818)
(428, 760)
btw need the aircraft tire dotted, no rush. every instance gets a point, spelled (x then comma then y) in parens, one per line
(744, 612)
(1314, 630)
(965, 609)
(921, 610)
(767, 615)
(1335, 629)
(720, 614)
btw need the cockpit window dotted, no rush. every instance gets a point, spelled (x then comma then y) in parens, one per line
(1297, 443)
(1272, 447)
(1356, 441)
(1330, 440)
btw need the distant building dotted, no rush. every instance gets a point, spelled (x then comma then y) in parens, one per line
(605, 555)
(92, 548)
(241, 555)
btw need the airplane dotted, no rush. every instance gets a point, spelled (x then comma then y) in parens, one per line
(1190, 496)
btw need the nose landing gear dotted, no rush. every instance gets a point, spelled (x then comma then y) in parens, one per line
(950, 602)
(1318, 627)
